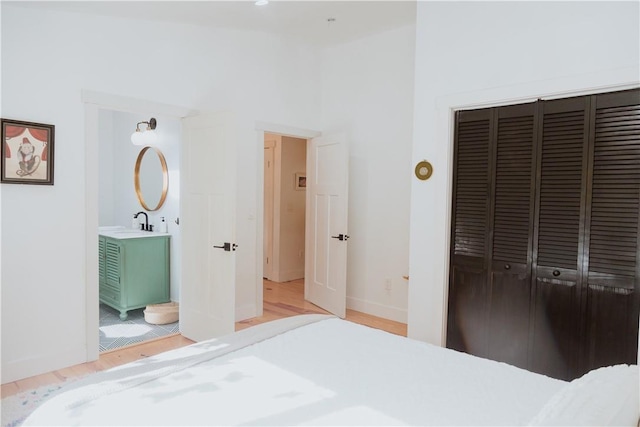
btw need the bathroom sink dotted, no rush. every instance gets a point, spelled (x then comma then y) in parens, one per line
(128, 233)
(110, 227)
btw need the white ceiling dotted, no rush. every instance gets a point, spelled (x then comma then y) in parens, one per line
(307, 20)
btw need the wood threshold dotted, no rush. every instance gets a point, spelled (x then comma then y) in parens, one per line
(135, 344)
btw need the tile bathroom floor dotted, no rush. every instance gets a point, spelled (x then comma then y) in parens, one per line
(115, 333)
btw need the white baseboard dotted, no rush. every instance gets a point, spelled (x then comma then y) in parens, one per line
(287, 276)
(20, 369)
(377, 309)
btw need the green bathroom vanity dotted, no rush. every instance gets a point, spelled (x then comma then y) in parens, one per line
(134, 269)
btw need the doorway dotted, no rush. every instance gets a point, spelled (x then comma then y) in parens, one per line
(118, 200)
(284, 192)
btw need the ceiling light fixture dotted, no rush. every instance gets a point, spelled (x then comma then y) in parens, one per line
(262, 2)
(147, 136)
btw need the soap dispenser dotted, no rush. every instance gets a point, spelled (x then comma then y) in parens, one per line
(163, 226)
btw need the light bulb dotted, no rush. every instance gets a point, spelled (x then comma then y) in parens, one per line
(137, 138)
(150, 137)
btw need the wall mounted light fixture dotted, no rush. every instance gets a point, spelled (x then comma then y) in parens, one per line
(147, 136)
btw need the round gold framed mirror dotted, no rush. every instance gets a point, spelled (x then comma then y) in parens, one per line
(151, 178)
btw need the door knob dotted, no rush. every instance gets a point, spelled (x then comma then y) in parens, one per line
(340, 237)
(227, 246)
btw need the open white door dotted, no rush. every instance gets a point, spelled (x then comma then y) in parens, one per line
(208, 186)
(326, 224)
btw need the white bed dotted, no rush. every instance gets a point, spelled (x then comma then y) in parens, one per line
(321, 370)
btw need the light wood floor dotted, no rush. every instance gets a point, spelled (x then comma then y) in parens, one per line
(280, 300)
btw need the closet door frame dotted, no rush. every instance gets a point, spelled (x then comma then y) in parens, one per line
(591, 338)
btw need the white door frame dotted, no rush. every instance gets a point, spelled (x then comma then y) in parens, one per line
(277, 129)
(94, 102)
(269, 151)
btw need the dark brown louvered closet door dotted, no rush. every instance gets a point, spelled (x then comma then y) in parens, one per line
(612, 297)
(562, 149)
(545, 260)
(511, 219)
(468, 276)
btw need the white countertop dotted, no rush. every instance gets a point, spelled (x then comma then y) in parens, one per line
(120, 232)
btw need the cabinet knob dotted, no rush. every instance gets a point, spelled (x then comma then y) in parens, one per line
(556, 273)
(507, 266)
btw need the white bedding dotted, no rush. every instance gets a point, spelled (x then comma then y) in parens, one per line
(305, 370)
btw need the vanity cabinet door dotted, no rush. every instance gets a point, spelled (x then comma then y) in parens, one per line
(110, 290)
(112, 264)
(145, 271)
(101, 260)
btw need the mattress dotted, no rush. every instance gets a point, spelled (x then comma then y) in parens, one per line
(309, 370)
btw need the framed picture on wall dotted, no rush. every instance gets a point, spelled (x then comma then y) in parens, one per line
(301, 181)
(27, 152)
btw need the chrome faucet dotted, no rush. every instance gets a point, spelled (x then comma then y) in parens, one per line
(145, 226)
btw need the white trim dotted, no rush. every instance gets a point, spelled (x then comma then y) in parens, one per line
(377, 309)
(132, 105)
(259, 223)
(286, 130)
(46, 363)
(92, 316)
(93, 103)
(585, 84)
(273, 128)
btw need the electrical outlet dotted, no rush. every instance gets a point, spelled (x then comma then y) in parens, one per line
(387, 285)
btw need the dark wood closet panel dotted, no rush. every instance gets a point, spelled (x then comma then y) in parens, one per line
(510, 234)
(470, 238)
(559, 223)
(544, 267)
(612, 265)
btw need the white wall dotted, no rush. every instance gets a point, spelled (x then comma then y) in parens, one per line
(116, 193)
(48, 58)
(368, 96)
(487, 53)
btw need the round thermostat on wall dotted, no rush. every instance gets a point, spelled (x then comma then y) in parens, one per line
(424, 170)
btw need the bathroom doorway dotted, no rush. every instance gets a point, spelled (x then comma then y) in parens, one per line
(118, 201)
(284, 208)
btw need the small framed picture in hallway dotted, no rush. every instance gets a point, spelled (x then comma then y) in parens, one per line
(27, 152)
(301, 181)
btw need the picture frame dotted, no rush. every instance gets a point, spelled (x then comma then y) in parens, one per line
(27, 152)
(301, 181)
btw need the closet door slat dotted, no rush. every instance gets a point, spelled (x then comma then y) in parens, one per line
(471, 188)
